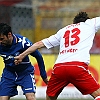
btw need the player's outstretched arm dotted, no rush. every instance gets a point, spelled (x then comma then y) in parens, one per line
(35, 46)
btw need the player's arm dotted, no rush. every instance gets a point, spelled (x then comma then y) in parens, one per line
(35, 46)
(50, 42)
(41, 65)
(35, 53)
(31, 49)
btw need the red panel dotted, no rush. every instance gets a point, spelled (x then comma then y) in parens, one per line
(9, 2)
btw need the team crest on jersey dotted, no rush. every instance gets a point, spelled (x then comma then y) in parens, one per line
(17, 53)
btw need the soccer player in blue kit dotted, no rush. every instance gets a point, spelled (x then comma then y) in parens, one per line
(22, 75)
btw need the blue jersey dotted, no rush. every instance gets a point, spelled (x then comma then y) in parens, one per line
(19, 45)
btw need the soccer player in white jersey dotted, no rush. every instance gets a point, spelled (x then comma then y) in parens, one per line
(71, 66)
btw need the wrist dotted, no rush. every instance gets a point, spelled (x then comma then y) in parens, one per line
(22, 56)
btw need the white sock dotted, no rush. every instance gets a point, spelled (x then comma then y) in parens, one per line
(97, 98)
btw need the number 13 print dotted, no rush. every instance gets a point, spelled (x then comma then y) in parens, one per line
(75, 34)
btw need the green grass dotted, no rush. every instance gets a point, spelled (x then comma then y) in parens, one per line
(57, 99)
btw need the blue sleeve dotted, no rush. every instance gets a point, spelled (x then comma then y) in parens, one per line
(40, 62)
(39, 59)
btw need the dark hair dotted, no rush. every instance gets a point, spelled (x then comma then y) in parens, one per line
(80, 17)
(5, 29)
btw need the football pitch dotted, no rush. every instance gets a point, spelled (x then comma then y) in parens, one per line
(57, 99)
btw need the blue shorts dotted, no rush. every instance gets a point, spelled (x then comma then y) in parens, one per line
(8, 86)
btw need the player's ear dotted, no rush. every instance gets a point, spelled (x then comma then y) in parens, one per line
(9, 34)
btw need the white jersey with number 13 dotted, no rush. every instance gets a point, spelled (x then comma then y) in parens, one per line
(75, 41)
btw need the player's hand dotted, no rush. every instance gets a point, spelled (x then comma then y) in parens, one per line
(17, 60)
(46, 81)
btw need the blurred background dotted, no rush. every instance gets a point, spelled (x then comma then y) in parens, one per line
(38, 19)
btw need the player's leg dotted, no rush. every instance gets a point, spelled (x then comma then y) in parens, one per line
(30, 96)
(51, 98)
(96, 94)
(58, 80)
(7, 88)
(28, 86)
(85, 82)
(4, 98)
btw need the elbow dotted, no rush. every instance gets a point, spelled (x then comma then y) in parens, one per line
(39, 44)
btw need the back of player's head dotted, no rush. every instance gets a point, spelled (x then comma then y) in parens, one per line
(80, 17)
(5, 29)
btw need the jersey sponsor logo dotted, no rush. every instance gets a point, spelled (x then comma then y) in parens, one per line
(70, 51)
(9, 57)
(2, 55)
